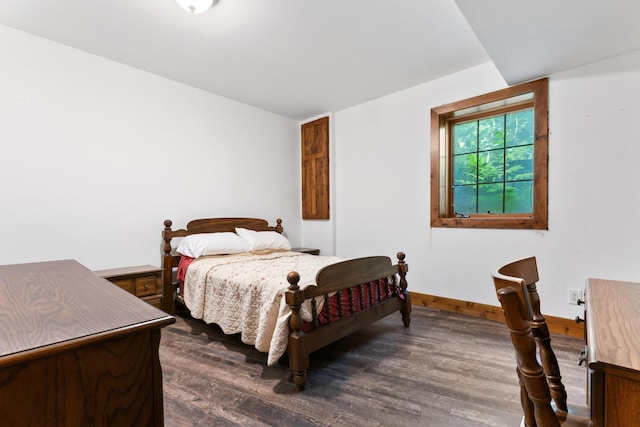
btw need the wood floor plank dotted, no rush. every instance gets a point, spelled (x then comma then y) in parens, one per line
(446, 370)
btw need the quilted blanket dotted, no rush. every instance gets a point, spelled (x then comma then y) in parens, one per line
(245, 294)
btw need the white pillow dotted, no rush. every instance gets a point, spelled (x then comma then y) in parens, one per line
(196, 245)
(260, 240)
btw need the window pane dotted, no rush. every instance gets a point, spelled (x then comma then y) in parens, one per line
(489, 154)
(491, 166)
(519, 197)
(491, 134)
(490, 198)
(464, 169)
(519, 164)
(464, 199)
(519, 128)
(465, 137)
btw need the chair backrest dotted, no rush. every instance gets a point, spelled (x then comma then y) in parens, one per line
(526, 271)
(522, 276)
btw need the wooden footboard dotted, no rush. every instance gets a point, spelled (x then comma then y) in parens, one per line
(335, 278)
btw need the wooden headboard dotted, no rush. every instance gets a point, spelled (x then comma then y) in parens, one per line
(170, 258)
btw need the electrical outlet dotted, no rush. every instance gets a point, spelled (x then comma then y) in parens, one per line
(574, 296)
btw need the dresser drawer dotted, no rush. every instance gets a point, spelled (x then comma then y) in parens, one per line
(146, 285)
(126, 284)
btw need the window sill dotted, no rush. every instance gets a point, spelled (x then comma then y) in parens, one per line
(482, 221)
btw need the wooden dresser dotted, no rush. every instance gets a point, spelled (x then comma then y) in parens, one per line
(612, 315)
(76, 350)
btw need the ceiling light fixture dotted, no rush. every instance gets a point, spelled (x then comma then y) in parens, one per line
(195, 6)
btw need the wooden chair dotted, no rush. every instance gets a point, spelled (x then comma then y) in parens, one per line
(524, 273)
(516, 288)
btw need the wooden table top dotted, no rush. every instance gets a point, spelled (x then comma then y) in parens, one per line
(613, 323)
(59, 304)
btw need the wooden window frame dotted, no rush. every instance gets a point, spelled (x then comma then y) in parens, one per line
(441, 211)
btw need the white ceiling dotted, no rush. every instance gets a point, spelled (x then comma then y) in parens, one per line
(301, 58)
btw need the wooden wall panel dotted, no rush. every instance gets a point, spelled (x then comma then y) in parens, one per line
(315, 169)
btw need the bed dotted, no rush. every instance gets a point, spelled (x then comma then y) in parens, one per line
(279, 300)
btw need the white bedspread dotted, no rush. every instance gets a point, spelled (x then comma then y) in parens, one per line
(244, 294)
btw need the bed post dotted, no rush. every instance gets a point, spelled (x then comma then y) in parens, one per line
(168, 304)
(406, 301)
(166, 247)
(279, 228)
(297, 349)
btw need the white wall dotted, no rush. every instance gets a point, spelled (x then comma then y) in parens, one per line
(96, 155)
(382, 197)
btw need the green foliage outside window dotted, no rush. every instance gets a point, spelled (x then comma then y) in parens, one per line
(493, 164)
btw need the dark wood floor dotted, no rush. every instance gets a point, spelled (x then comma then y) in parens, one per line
(445, 370)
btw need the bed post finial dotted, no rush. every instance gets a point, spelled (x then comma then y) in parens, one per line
(279, 228)
(293, 278)
(406, 301)
(166, 247)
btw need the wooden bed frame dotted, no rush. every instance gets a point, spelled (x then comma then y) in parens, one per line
(343, 275)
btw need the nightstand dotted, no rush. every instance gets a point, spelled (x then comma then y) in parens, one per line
(310, 251)
(143, 281)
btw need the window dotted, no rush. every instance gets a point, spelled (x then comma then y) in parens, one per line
(489, 160)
